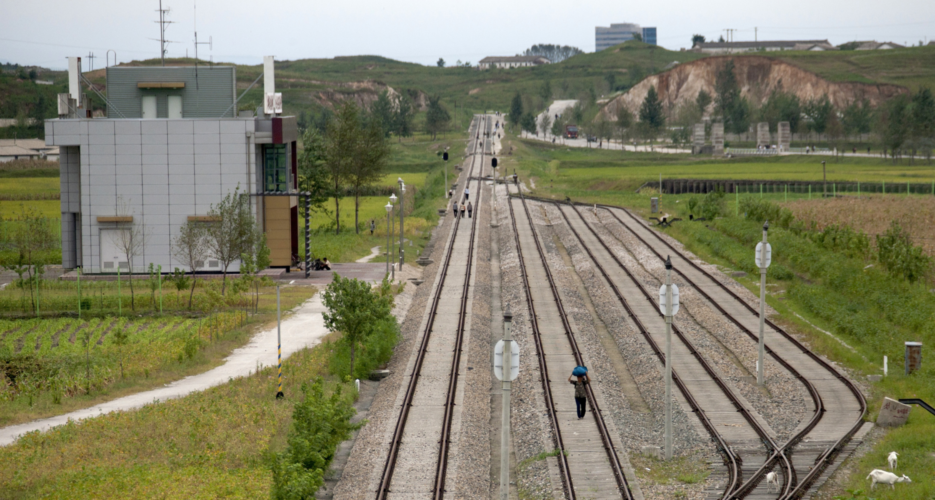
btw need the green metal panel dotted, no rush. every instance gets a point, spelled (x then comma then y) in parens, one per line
(209, 91)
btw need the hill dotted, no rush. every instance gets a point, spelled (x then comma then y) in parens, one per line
(757, 77)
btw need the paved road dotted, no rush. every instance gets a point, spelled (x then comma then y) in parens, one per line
(304, 328)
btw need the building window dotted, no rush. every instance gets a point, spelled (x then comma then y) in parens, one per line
(276, 171)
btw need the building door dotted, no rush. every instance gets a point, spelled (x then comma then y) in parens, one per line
(175, 106)
(149, 106)
(112, 256)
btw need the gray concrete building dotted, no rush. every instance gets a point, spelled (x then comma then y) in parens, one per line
(511, 62)
(615, 34)
(765, 46)
(155, 173)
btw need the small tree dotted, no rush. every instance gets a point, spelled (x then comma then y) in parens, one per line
(381, 112)
(702, 100)
(437, 117)
(190, 247)
(354, 308)
(528, 123)
(130, 241)
(120, 340)
(254, 261)
(32, 238)
(516, 109)
(340, 149)
(652, 117)
(696, 39)
(545, 123)
(230, 231)
(440, 63)
(369, 164)
(402, 116)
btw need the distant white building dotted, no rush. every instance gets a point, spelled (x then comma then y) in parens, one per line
(615, 34)
(511, 62)
(767, 46)
(874, 45)
(26, 149)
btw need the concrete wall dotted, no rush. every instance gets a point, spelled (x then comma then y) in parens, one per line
(208, 93)
(160, 172)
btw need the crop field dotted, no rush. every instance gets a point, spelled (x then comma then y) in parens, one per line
(873, 214)
(210, 444)
(67, 357)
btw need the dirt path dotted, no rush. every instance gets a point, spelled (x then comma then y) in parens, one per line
(304, 328)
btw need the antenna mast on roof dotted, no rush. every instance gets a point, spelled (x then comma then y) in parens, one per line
(162, 22)
(209, 43)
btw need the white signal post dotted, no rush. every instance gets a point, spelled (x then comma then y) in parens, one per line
(763, 256)
(506, 369)
(669, 305)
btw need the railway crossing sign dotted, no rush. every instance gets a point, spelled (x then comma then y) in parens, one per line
(675, 299)
(769, 254)
(498, 360)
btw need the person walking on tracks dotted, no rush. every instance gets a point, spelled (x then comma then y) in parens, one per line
(467, 193)
(463, 209)
(470, 209)
(578, 378)
(373, 225)
(454, 208)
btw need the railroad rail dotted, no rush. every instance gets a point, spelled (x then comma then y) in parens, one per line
(607, 442)
(827, 456)
(444, 439)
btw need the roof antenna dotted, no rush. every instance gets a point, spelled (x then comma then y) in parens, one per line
(162, 22)
(209, 43)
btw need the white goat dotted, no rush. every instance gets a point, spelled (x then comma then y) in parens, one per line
(881, 476)
(892, 459)
(772, 479)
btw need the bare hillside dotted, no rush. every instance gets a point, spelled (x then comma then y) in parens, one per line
(757, 77)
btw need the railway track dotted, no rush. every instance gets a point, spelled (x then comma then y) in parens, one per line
(694, 376)
(557, 352)
(839, 406)
(404, 472)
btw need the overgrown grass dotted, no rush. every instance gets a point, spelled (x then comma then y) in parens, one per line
(211, 444)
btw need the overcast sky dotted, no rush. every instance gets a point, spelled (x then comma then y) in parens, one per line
(44, 32)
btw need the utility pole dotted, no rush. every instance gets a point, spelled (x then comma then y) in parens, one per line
(90, 61)
(763, 257)
(755, 34)
(669, 304)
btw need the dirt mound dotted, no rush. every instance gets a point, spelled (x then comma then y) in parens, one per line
(364, 94)
(757, 77)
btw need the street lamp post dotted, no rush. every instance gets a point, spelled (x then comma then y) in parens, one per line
(393, 231)
(389, 210)
(445, 157)
(402, 210)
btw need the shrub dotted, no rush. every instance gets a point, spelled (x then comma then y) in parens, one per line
(899, 256)
(319, 424)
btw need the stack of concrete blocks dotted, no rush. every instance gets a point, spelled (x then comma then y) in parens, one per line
(762, 134)
(785, 136)
(698, 138)
(717, 137)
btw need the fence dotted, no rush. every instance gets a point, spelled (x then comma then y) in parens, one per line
(794, 189)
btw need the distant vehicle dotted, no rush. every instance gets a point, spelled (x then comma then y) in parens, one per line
(592, 138)
(571, 132)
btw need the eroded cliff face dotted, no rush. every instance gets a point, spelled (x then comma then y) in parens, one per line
(757, 77)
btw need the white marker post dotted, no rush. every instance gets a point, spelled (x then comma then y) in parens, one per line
(668, 305)
(763, 256)
(506, 369)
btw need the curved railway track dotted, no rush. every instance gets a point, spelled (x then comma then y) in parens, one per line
(607, 442)
(826, 386)
(396, 444)
(731, 458)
